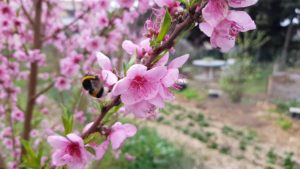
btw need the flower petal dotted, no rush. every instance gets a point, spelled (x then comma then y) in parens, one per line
(170, 78)
(121, 86)
(101, 149)
(103, 61)
(129, 129)
(75, 138)
(242, 19)
(117, 138)
(178, 62)
(109, 77)
(130, 47)
(206, 28)
(241, 4)
(215, 11)
(136, 69)
(58, 142)
(156, 73)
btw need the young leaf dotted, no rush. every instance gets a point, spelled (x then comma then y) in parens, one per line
(67, 119)
(164, 28)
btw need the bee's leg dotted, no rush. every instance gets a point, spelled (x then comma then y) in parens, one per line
(100, 93)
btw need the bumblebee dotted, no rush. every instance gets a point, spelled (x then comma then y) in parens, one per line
(93, 85)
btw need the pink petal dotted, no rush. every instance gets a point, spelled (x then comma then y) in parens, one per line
(117, 138)
(135, 70)
(129, 98)
(103, 61)
(75, 138)
(109, 77)
(242, 19)
(58, 142)
(160, 3)
(206, 28)
(163, 60)
(156, 73)
(129, 129)
(241, 3)
(215, 11)
(121, 86)
(145, 44)
(140, 109)
(223, 42)
(57, 158)
(101, 149)
(178, 62)
(157, 101)
(170, 78)
(130, 47)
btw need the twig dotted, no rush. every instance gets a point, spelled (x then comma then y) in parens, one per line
(44, 90)
(27, 14)
(67, 26)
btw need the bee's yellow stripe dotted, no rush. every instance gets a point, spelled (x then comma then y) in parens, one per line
(88, 78)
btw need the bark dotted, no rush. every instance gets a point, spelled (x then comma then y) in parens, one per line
(280, 62)
(2, 162)
(32, 83)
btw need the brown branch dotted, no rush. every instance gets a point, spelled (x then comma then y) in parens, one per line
(32, 80)
(67, 26)
(27, 14)
(104, 111)
(44, 90)
(191, 17)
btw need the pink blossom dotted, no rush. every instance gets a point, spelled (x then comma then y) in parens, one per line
(106, 74)
(62, 83)
(94, 44)
(80, 116)
(139, 84)
(119, 133)
(217, 10)
(140, 50)
(101, 149)
(225, 33)
(68, 151)
(126, 3)
(17, 115)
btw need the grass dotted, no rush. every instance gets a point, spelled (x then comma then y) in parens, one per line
(285, 123)
(150, 151)
(192, 94)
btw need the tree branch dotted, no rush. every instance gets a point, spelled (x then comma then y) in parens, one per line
(44, 90)
(27, 14)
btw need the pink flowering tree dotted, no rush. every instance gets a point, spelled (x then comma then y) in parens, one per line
(136, 75)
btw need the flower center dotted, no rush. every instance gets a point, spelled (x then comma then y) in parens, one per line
(73, 149)
(138, 82)
(234, 29)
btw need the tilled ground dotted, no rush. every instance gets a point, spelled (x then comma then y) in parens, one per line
(222, 135)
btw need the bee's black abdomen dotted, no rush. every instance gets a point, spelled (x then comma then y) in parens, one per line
(100, 93)
(87, 85)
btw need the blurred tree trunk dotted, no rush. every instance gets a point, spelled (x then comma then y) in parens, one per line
(33, 81)
(280, 62)
(2, 162)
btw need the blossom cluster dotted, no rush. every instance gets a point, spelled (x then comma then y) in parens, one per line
(223, 25)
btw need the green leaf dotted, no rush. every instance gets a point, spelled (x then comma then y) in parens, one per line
(91, 137)
(91, 150)
(111, 112)
(67, 119)
(164, 28)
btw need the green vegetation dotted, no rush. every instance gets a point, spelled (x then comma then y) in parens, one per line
(283, 106)
(150, 151)
(285, 123)
(192, 94)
